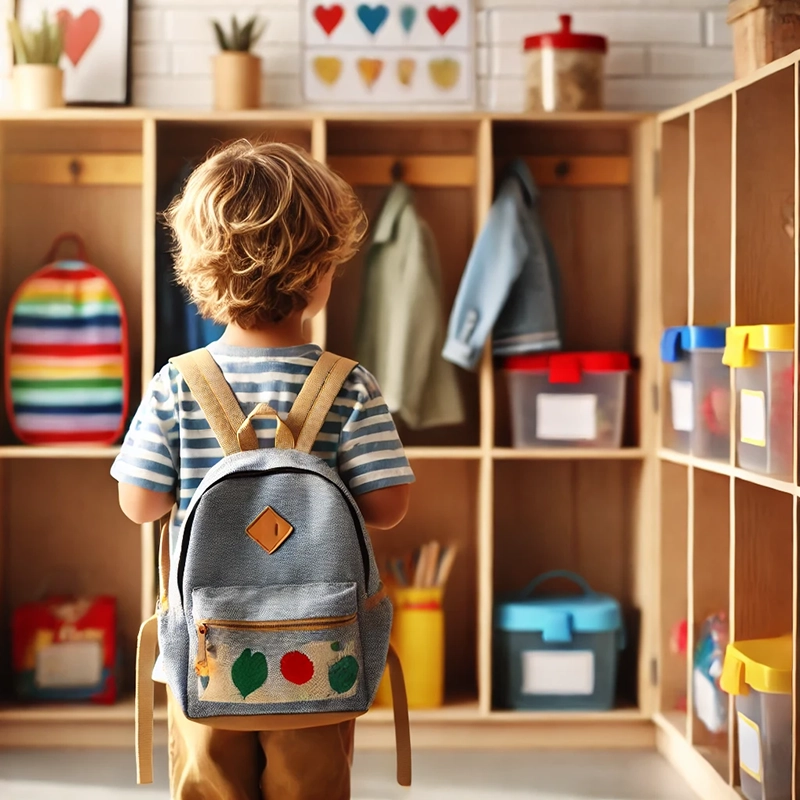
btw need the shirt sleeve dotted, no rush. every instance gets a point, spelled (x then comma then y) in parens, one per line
(371, 455)
(150, 454)
(494, 264)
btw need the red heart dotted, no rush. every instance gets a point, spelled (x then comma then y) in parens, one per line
(443, 18)
(328, 18)
(79, 32)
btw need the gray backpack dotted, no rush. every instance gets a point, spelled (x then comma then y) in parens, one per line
(274, 616)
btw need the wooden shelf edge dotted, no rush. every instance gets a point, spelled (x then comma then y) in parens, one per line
(706, 464)
(568, 454)
(691, 764)
(765, 480)
(434, 453)
(28, 451)
(456, 726)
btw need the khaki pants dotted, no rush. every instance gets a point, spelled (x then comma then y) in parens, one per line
(210, 764)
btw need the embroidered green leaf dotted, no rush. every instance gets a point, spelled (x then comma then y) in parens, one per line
(249, 671)
(336, 647)
(342, 675)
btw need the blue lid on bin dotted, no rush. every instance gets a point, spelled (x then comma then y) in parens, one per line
(558, 617)
(682, 339)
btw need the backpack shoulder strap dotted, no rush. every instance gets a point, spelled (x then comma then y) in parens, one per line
(315, 399)
(216, 400)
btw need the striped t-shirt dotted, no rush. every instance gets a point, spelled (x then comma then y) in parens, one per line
(170, 446)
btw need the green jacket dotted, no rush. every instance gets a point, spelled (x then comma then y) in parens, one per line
(400, 331)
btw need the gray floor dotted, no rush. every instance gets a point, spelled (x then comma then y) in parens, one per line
(108, 775)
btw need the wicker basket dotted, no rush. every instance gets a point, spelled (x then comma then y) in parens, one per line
(763, 30)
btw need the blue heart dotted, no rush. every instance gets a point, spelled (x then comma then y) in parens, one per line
(408, 15)
(372, 17)
(204, 681)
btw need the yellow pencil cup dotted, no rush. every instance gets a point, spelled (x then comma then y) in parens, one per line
(418, 638)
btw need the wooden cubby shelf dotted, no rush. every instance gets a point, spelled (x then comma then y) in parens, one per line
(685, 218)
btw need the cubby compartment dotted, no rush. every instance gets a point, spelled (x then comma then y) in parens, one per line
(180, 145)
(765, 180)
(709, 597)
(575, 516)
(673, 177)
(711, 224)
(438, 161)
(64, 534)
(449, 523)
(63, 177)
(584, 176)
(673, 591)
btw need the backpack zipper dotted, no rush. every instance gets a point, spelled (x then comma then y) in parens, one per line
(315, 624)
(288, 470)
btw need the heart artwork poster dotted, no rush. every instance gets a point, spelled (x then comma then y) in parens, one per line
(389, 52)
(96, 46)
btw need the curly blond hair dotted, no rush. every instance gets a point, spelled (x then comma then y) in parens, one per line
(256, 228)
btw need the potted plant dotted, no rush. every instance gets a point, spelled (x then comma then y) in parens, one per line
(37, 79)
(237, 72)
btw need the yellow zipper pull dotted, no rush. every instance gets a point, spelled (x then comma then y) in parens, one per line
(201, 663)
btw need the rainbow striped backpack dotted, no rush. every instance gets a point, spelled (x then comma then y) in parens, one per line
(66, 354)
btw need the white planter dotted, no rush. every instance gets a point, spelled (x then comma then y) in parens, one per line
(38, 86)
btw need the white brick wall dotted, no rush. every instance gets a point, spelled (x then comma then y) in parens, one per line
(662, 52)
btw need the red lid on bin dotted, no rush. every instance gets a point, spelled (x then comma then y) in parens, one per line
(565, 39)
(568, 367)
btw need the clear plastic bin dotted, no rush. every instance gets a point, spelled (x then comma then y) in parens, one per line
(759, 674)
(698, 398)
(567, 399)
(557, 652)
(763, 359)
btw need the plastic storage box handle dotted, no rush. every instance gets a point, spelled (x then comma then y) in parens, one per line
(558, 573)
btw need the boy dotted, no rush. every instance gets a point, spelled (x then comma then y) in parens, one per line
(260, 230)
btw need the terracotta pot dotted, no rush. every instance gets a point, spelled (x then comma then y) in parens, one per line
(237, 81)
(38, 86)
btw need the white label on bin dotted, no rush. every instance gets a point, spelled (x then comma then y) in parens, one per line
(566, 416)
(682, 406)
(749, 747)
(753, 418)
(707, 704)
(558, 672)
(69, 664)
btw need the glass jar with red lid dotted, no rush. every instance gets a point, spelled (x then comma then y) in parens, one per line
(565, 70)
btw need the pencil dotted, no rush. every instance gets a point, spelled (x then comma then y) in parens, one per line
(433, 564)
(445, 566)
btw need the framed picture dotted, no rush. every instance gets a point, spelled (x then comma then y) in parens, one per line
(389, 53)
(97, 36)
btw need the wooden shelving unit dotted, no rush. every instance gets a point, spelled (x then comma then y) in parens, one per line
(671, 536)
(729, 537)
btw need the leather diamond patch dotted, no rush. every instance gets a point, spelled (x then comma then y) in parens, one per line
(269, 529)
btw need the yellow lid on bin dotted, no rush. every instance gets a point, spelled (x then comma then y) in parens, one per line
(761, 664)
(742, 341)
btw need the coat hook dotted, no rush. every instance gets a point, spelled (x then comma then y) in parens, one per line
(75, 168)
(562, 169)
(398, 171)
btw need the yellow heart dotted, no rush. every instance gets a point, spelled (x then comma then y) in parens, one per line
(444, 72)
(370, 70)
(405, 70)
(328, 69)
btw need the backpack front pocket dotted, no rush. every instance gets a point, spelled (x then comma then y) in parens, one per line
(277, 645)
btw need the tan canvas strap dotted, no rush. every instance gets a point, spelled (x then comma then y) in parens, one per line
(402, 728)
(163, 560)
(316, 398)
(145, 661)
(234, 431)
(215, 398)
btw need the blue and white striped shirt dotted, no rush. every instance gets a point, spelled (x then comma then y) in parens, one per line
(170, 446)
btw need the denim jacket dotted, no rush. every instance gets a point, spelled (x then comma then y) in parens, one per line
(511, 281)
